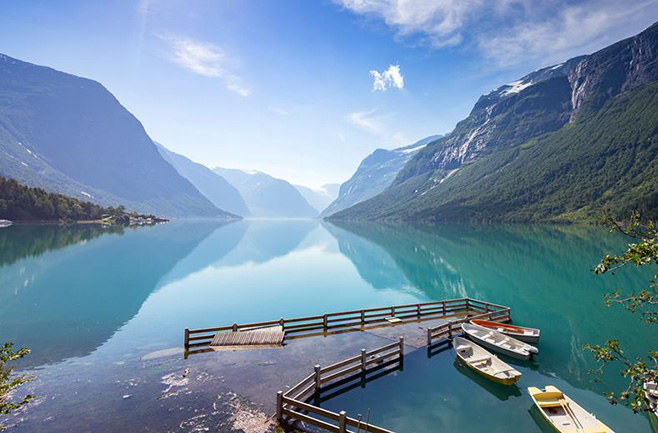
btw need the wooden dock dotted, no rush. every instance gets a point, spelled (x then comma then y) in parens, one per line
(271, 336)
(195, 340)
(301, 402)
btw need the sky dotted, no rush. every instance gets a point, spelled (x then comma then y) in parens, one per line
(305, 89)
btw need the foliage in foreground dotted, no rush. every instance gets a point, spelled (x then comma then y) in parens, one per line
(643, 251)
(9, 384)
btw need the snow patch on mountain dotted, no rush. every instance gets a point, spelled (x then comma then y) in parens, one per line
(516, 87)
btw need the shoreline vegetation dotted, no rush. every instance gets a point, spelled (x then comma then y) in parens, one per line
(20, 204)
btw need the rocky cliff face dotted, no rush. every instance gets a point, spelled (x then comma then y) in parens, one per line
(616, 69)
(542, 101)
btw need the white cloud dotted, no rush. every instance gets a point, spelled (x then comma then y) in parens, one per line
(341, 137)
(279, 111)
(207, 59)
(367, 120)
(440, 21)
(512, 31)
(234, 84)
(392, 77)
(573, 30)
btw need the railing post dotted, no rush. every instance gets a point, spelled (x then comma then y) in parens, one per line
(279, 406)
(318, 378)
(363, 317)
(187, 338)
(401, 347)
(418, 310)
(443, 305)
(392, 311)
(235, 327)
(325, 322)
(342, 421)
(468, 304)
(429, 337)
(363, 360)
(282, 322)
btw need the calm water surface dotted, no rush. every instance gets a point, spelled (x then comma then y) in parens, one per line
(91, 302)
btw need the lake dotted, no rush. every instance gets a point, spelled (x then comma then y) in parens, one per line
(103, 310)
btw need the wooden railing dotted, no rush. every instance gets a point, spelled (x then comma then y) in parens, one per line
(195, 338)
(294, 404)
(493, 312)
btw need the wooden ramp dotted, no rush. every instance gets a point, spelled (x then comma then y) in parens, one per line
(261, 338)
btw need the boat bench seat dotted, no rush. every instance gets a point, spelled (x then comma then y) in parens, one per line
(551, 399)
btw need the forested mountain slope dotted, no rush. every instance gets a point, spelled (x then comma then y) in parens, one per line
(562, 143)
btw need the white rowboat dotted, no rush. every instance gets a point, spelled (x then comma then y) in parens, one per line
(499, 342)
(485, 363)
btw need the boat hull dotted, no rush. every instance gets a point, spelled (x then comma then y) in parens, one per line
(506, 382)
(527, 335)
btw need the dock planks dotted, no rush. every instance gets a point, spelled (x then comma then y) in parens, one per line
(256, 338)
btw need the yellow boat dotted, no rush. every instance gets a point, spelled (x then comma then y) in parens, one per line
(485, 363)
(564, 414)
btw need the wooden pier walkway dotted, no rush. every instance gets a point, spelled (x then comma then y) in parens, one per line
(271, 336)
(195, 340)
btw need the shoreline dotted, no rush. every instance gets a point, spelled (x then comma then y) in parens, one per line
(81, 222)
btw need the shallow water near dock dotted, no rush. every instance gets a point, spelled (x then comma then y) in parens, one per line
(103, 310)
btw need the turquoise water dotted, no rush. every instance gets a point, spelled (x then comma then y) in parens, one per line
(92, 301)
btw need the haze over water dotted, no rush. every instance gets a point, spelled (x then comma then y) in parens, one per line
(91, 301)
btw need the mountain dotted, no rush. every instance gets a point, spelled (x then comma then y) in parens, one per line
(69, 135)
(266, 196)
(375, 173)
(214, 187)
(560, 144)
(321, 197)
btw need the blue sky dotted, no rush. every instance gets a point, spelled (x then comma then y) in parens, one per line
(305, 89)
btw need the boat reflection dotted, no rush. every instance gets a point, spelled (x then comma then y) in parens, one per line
(501, 392)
